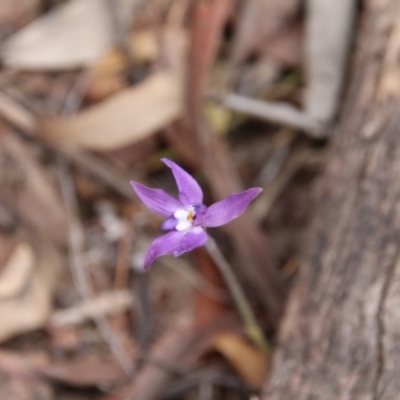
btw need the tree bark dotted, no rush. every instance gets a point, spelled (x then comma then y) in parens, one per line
(340, 337)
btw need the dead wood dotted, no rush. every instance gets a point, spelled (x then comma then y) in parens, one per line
(340, 336)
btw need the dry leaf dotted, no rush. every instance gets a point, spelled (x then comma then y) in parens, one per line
(16, 272)
(30, 308)
(74, 35)
(123, 119)
(250, 363)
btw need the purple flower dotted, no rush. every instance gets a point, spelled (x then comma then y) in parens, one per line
(188, 216)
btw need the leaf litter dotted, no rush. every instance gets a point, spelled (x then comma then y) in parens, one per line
(105, 99)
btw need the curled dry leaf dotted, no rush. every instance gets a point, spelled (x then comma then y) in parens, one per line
(74, 35)
(15, 273)
(250, 364)
(30, 306)
(123, 119)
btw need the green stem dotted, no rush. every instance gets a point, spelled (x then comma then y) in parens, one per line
(252, 327)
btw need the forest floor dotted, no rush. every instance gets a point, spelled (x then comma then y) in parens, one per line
(93, 93)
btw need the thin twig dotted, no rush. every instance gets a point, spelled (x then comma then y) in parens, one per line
(281, 113)
(253, 329)
(113, 302)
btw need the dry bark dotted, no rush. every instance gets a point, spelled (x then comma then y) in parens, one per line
(340, 337)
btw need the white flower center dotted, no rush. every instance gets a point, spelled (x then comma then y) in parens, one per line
(185, 219)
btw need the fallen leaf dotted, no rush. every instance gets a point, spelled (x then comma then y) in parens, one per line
(30, 308)
(74, 35)
(105, 84)
(125, 118)
(249, 363)
(16, 272)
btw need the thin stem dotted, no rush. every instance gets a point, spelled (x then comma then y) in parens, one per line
(252, 327)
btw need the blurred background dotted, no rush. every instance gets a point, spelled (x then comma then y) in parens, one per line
(93, 93)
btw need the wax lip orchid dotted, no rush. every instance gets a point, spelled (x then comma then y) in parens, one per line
(187, 218)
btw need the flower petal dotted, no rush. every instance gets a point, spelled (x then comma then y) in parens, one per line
(169, 223)
(156, 199)
(230, 208)
(189, 190)
(166, 244)
(195, 238)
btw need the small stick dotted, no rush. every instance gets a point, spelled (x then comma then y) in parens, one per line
(281, 113)
(252, 328)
